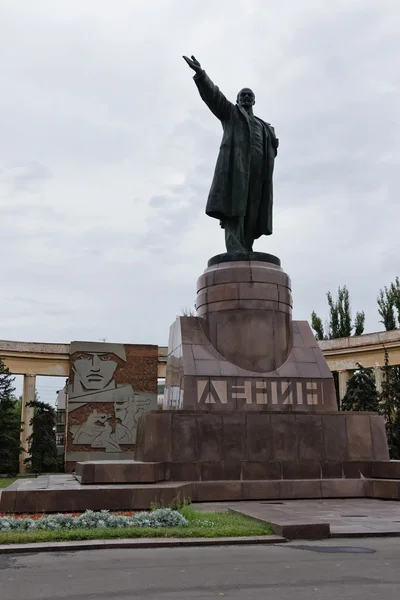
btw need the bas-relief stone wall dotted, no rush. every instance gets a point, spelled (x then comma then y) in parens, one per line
(110, 387)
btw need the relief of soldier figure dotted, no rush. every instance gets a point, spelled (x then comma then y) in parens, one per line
(93, 381)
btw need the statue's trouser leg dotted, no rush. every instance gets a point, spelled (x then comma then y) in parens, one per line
(253, 201)
(234, 234)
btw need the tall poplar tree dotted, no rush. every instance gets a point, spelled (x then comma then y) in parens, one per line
(340, 320)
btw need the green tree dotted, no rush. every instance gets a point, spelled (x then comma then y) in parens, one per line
(361, 393)
(340, 322)
(316, 324)
(386, 308)
(395, 292)
(359, 323)
(10, 423)
(42, 443)
(390, 406)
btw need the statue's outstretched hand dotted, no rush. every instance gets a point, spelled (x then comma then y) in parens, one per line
(193, 64)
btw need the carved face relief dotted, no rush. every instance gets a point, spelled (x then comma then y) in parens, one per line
(94, 370)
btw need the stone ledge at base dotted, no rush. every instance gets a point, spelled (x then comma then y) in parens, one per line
(126, 472)
(302, 530)
(386, 469)
(63, 493)
(119, 471)
(297, 529)
(383, 489)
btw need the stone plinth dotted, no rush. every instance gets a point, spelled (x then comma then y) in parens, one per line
(254, 446)
(245, 310)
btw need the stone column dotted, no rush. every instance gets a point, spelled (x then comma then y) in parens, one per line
(378, 378)
(344, 376)
(245, 308)
(28, 395)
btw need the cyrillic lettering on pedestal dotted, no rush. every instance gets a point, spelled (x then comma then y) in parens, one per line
(212, 391)
(312, 392)
(286, 393)
(258, 391)
(261, 392)
(299, 390)
(243, 391)
(274, 392)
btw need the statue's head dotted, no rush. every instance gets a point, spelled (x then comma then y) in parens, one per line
(246, 98)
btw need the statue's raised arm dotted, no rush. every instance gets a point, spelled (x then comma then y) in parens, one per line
(194, 64)
(209, 92)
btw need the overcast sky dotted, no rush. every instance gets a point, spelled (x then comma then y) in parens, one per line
(107, 154)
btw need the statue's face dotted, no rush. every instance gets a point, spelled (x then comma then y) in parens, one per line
(246, 98)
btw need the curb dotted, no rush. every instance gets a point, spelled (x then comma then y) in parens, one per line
(365, 534)
(138, 543)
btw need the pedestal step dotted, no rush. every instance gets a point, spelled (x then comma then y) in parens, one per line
(63, 493)
(113, 471)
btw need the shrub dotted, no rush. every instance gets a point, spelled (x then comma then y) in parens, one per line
(163, 517)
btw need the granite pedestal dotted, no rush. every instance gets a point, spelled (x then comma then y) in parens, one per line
(250, 412)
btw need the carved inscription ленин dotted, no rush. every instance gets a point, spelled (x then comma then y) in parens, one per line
(252, 391)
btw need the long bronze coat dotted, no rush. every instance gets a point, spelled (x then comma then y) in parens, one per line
(230, 186)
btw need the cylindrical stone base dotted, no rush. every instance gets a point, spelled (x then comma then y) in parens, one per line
(245, 308)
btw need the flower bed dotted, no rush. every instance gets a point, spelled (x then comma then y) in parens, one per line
(189, 523)
(162, 517)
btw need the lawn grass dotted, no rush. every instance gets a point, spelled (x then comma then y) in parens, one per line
(6, 481)
(201, 525)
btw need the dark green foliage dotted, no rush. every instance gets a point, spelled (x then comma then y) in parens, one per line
(386, 308)
(393, 437)
(340, 318)
(390, 406)
(340, 324)
(316, 324)
(361, 393)
(395, 292)
(389, 301)
(10, 423)
(359, 323)
(42, 443)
